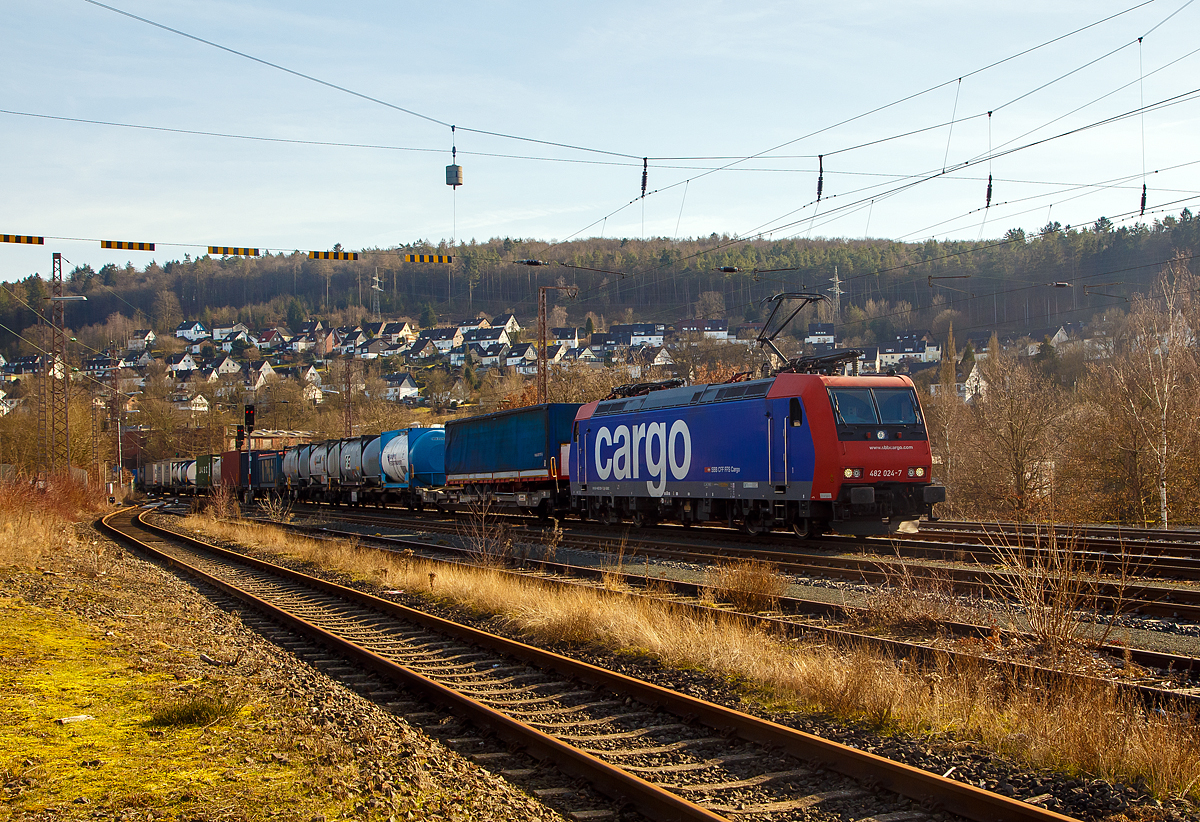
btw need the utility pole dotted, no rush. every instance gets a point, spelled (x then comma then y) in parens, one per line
(543, 375)
(54, 446)
(347, 407)
(375, 292)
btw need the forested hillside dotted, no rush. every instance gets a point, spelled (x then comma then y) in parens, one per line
(1006, 284)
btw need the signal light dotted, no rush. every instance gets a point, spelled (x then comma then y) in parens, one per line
(241, 436)
(249, 417)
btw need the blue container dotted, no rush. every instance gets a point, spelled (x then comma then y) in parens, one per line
(413, 457)
(266, 470)
(508, 446)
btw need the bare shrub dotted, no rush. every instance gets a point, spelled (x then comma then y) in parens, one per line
(222, 503)
(486, 536)
(551, 539)
(1054, 587)
(276, 509)
(907, 601)
(748, 584)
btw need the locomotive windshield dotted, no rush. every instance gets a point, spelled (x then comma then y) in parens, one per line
(875, 406)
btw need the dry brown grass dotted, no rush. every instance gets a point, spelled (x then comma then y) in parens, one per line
(1075, 728)
(748, 584)
(34, 522)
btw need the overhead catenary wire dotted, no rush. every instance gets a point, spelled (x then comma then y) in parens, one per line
(981, 70)
(350, 91)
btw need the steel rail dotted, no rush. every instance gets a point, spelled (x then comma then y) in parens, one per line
(1152, 696)
(928, 789)
(615, 782)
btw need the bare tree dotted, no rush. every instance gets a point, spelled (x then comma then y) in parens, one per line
(1154, 367)
(1015, 433)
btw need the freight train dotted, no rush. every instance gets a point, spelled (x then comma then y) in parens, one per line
(805, 449)
(800, 451)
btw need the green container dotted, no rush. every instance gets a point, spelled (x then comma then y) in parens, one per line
(204, 471)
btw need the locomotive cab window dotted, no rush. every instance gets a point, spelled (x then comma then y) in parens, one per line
(853, 406)
(796, 412)
(897, 406)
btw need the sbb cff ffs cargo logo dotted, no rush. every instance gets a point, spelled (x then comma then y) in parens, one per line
(622, 452)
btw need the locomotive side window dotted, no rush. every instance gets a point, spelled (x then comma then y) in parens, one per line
(853, 406)
(897, 406)
(796, 412)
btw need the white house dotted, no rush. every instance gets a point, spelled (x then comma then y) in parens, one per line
(487, 336)
(708, 329)
(220, 332)
(508, 322)
(191, 330)
(521, 354)
(142, 339)
(820, 334)
(565, 336)
(443, 338)
(641, 333)
(180, 362)
(400, 386)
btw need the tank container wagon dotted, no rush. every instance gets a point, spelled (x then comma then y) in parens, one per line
(511, 459)
(409, 461)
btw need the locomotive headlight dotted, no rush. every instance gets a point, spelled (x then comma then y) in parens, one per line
(920, 472)
(857, 473)
(912, 472)
(848, 473)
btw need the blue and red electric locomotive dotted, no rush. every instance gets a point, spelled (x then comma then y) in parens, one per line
(808, 452)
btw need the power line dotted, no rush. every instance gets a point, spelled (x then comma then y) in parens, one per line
(350, 91)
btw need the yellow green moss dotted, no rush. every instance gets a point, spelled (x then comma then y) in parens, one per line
(52, 667)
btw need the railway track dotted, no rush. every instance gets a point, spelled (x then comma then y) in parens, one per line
(1177, 683)
(1131, 597)
(666, 754)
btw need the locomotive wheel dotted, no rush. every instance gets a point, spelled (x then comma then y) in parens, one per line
(642, 519)
(752, 524)
(803, 528)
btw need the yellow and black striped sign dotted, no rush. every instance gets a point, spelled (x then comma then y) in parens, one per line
(130, 246)
(22, 238)
(333, 255)
(427, 258)
(232, 251)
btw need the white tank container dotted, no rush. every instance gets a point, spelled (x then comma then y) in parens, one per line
(372, 472)
(333, 461)
(303, 462)
(291, 464)
(316, 462)
(394, 459)
(351, 461)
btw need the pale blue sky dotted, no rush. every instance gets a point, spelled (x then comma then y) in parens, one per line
(663, 79)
